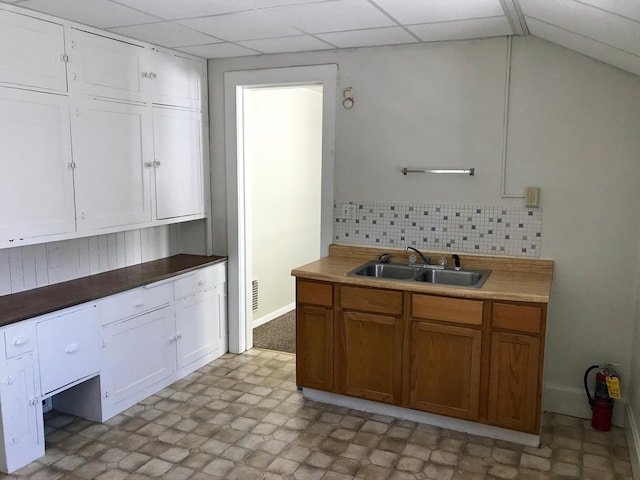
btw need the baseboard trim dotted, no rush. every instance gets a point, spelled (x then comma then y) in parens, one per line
(273, 315)
(633, 441)
(573, 402)
(422, 417)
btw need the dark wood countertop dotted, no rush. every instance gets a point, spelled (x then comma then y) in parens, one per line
(38, 301)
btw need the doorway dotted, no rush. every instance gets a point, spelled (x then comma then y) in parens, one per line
(239, 173)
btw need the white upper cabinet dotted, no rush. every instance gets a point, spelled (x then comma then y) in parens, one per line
(178, 161)
(31, 53)
(36, 183)
(112, 148)
(176, 80)
(104, 67)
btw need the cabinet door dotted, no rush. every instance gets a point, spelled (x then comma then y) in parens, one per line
(31, 52)
(111, 148)
(69, 348)
(21, 411)
(138, 353)
(36, 183)
(445, 369)
(200, 325)
(104, 67)
(176, 80)
(314, 347)
(514, 382)
(178, 161)
(372, 356)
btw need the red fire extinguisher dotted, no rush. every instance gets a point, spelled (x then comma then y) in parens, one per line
(607, 388)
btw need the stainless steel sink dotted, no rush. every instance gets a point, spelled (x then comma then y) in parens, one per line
(422, 274)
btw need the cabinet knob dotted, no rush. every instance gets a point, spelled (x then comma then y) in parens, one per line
(139, 302)
(34, 401)
(178, 335)
(156, 163)
(72, 348)
(148, 164)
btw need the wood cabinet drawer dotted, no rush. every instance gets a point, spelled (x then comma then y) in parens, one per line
(520, 318)
(456, 310)
(315, 293)
(135, 302)
(371, 300)
(199, 280)
(19, 339)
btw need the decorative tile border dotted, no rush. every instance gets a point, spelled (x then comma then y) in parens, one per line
(488, 229)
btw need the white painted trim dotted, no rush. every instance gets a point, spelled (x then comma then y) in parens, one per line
(273, 315)
(423, 417)
(240, 329)
(573, 402)
(633, 441)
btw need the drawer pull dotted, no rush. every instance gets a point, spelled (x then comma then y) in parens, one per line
(139, 302)
(72, 348)
(201, 282)
(21, 340)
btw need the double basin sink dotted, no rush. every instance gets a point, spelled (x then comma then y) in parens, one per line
(422, 274)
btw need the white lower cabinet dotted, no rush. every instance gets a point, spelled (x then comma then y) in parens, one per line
(138, 353)
(21, 414)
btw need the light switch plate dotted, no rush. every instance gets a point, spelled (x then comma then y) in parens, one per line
(532, 196)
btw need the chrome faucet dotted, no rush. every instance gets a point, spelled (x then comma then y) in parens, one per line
(456, 260)
(426, 260)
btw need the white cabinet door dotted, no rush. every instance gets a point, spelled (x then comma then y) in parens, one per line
(21, 413)
(176, 80)
(36, 183)
(200, 325)
(112, 153)
(105, 67)
(178, 160)
(31, 52)
(139, 352)
(69, 348)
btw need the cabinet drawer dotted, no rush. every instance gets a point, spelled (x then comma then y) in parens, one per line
(134, 302)
(371, 300)
(446, 309)
(69, 348)
(315, 293)
(19, 339)
(199, 280)
(521, 318)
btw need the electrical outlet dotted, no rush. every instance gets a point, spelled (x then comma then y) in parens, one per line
(532, 196)
(348, 211)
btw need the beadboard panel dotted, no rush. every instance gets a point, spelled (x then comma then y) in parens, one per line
(24, 268)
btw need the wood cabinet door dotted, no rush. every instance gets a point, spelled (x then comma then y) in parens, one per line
(445, 369)
(314, 347)
(371, 361)
(36, 182)
(514, 382)
(112, 153)
(104, 67)
(32, 52)
(177, 80)
(178, 163)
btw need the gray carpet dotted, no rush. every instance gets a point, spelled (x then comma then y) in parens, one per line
(278, 334)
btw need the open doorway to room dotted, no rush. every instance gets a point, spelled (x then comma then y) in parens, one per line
(284, 244)
(283, 161)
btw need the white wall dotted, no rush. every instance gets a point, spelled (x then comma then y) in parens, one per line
(24, 268)
(573, 131)
(283, 142)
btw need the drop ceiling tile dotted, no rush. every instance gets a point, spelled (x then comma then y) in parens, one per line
(298, 43)
(462, 29)
(278, 3)
(241, 26)
(427, 11)
(333, 16)
(97, 13)
(218, 50)
(188, 8)
(590, 22)
(167, 34)
(368, 38)
(591, 48)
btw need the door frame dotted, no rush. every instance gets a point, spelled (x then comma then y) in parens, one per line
(237, 173)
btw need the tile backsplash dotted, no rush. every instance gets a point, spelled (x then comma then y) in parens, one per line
(487, 229)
